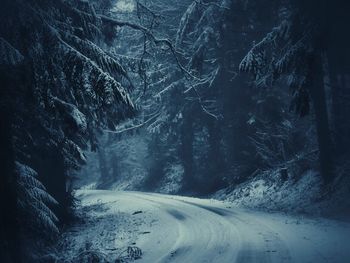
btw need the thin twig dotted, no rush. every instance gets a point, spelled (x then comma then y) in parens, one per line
(157, 41)
(135, 126)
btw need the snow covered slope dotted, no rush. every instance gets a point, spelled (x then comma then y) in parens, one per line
(304, 195)
(183, 229)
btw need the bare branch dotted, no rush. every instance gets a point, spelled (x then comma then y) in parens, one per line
(211, 3)
(134, 126)
(157, 41)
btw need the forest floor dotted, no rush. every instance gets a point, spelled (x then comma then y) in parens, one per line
(122, 226)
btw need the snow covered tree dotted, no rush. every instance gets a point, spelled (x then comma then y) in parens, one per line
(194, 86)
(295, 50)
(60, 89)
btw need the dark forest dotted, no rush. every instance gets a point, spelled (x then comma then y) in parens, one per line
(174, 131)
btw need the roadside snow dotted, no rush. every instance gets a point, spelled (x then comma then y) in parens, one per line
(184, 229)
(108, 228)
(294, 196)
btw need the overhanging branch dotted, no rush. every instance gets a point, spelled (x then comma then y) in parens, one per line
(157, 41)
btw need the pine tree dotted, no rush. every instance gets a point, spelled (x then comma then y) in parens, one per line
(62, 89)
(294, 49)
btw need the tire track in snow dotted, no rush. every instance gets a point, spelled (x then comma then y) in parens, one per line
(203, 236)
(233, 239)
(191, 230)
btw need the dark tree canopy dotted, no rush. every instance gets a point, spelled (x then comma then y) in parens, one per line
(192, 97)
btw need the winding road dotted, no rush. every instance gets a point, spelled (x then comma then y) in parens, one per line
(183, 229)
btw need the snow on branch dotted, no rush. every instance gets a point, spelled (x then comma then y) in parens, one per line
(140, 125)
(8, 54)
(211, 4)
(157, 41)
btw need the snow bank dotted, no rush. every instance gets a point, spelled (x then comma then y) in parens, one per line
(105, 232)
(304, 195)
(171, 182)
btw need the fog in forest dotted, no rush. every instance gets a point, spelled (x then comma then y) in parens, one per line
(174, 131)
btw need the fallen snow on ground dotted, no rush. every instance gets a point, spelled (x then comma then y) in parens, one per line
(271, 193)
(294, 196)
(183, 229)
(108, 227)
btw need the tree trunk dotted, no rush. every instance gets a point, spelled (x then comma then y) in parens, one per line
(340, 92)
(9, 228)
(104, 174)
(216, 164)
(10, 246)
(186, 150)
(115, 166)
(156, 164)
(52, 174)
(318, 97)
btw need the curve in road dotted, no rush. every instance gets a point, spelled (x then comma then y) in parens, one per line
(187, 229)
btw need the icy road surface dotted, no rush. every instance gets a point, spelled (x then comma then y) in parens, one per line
(185, 230)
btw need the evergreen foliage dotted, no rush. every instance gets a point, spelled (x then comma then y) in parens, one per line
(63, 89)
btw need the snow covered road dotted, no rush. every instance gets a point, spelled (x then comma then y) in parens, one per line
(183, 229)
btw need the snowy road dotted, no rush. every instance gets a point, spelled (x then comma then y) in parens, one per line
(183, 229)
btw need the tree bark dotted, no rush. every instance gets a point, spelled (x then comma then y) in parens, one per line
(52, 173)
(216, 163)
(318, 97)
(9, 228)
(104, 174)
(186, 151)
